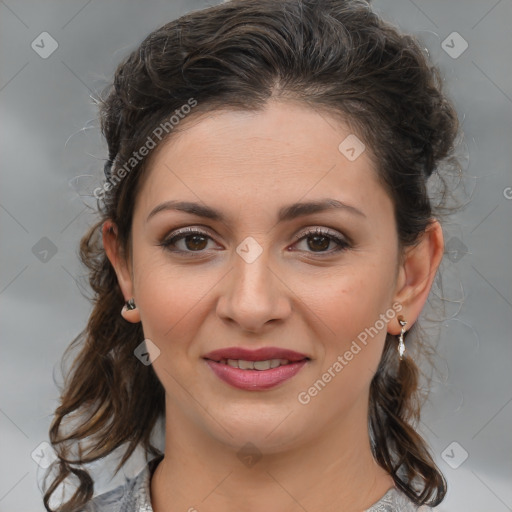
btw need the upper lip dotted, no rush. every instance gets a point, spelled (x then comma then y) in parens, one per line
(260, 354)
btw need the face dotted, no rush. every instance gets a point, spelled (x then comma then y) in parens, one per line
(262, 274)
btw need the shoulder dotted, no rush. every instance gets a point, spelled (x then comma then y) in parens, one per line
(132, 496)
(396, 501)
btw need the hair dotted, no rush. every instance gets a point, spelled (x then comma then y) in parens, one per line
(336, 56)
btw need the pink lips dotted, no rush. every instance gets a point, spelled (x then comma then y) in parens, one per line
(255, 380)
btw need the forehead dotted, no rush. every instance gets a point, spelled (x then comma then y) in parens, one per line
(278, 155)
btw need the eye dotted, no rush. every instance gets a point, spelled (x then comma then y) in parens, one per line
(193, 240)
(319, 240)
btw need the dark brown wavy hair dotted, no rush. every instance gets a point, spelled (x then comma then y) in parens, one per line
(336, 56)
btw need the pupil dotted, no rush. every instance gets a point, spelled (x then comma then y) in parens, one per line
(315, 239)
(195, 238)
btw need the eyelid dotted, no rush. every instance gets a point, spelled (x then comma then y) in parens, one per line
(320, 230)
(198, 228)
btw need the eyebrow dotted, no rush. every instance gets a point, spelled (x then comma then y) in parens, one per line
(286, 213)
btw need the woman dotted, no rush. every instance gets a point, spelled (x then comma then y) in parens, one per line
(264, 246)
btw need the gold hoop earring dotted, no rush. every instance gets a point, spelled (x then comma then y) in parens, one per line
(401, 344)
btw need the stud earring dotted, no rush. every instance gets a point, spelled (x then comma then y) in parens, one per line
(130, 312)
(401, 345)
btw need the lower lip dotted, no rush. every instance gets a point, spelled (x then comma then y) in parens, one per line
(255, 380)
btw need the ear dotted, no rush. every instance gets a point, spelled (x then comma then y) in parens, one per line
(416, 275)
(122, 268)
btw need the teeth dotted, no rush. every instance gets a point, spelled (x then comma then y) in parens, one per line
(255, 365)
(262, 365)
(245, 365)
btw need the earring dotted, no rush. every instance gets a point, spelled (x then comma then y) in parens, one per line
(401, 345)
(130, 312)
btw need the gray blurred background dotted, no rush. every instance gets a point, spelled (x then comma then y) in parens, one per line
(55, 55)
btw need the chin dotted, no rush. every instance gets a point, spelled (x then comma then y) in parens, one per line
(269, 432)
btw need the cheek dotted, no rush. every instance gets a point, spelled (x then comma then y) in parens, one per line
(352, 354)
(353, 300)
(170, 298)
(357, 309)
(172, 309)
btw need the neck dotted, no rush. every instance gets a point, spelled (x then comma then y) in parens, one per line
(334, 471)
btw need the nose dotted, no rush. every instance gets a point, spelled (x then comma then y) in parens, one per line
(254, 295)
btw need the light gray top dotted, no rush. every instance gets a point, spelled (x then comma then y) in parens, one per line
(134, 496)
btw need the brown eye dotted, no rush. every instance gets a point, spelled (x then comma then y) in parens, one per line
(318, 241)
(193, 241)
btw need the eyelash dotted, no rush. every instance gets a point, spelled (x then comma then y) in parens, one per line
(343, 244)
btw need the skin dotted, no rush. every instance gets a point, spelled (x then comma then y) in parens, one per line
(297, 294)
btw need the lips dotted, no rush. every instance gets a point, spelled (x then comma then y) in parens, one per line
(255, 370)
(261, 354)
(255, 380)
